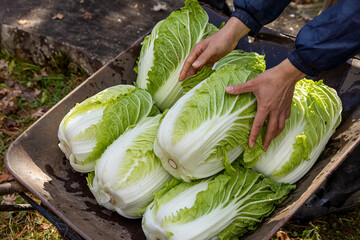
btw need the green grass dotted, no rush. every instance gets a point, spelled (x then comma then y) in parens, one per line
(341, 226)
(31, 90)
(40, 88)
(55, 80)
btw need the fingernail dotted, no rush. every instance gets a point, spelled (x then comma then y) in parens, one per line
(196, 63)
(229, 89)
(251, 144)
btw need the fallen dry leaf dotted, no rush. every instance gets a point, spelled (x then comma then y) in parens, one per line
(13, 131)
(7, 103)
(37, 92)
(16, 93)
(58, 16)
(20, 87)
(8, 106)
(38, 113)
(9, 83)
(159, 7)
(86, 15)
(23, 21)
(43, 72)
(3, 64)
(44, 226)
(4, 92)
(9, 199)
(11, 123)
(281, 235)
(28, 95)
(31, 95)
(4, 177)
(4, 75)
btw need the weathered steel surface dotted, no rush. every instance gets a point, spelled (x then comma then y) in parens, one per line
(11, 187)
(35, 160)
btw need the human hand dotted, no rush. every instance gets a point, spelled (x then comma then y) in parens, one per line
(274, 90)
(213, 48)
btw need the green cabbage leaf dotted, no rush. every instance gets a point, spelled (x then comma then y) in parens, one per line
(92, 125)
(207, 128)
(165, 50)
(224, 206)
(128, 172)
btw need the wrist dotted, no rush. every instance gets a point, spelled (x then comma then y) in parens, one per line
(235, 28)
(289, 70)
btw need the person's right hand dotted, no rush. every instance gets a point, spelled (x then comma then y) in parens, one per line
(213, 48)
(274, 90)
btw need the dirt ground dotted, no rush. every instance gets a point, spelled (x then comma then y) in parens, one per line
(96, 30)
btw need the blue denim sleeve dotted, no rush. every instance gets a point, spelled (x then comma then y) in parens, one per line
(328, 40)
(256, 13)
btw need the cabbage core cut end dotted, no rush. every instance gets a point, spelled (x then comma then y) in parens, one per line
(172, 164)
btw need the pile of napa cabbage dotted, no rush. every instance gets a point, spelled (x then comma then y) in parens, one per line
(177, 154)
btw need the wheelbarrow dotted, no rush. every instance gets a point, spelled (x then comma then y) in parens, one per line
(37, 163)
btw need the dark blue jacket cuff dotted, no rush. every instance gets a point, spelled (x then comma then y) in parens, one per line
(248, 20)
(301, 65)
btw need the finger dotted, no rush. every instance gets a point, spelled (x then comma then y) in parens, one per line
(194, 54)
(186, 67)
(204, 58)
(259, 120)
(192, 71)
(239, 88)
(288, 112)
(272, 129)
(282, 122)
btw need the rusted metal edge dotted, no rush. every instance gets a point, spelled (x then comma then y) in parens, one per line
(11, 187)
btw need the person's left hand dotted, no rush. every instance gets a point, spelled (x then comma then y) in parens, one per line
(274, 90)
(214, 47)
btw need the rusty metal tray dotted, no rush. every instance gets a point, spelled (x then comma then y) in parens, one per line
(35, 160)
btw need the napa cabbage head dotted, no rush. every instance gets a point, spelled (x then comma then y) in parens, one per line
(165, 50)
(207, 128)
(315, 114)
(224, 206)
(92, 125)
(128, 172)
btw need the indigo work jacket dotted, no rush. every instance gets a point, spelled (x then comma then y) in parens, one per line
(325, 42)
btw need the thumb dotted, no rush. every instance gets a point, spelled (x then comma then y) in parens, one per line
(239, 88)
